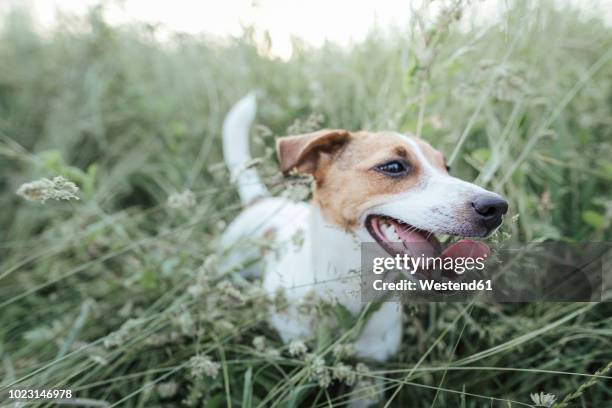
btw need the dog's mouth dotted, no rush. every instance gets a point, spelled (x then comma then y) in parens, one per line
(398, 238)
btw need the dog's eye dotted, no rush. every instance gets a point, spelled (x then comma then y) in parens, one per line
(394, 168)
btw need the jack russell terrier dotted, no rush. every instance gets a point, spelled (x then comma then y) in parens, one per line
(383, 187)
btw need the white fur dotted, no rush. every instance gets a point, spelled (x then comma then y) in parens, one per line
(329, 270)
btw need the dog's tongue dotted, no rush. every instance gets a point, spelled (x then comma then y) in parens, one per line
(415, 241)
(466, 248)
(418, 244)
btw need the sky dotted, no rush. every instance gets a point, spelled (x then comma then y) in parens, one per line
(314, 21)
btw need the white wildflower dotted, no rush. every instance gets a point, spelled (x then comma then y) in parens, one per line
(310, 124)
(272, 353)
(280, 300)
(309, 303)
(44, 189)
(186, 199)
(263, 132)
(196, 290)
(362, 369)
(167, 389)
(543, 400)
(324, 379)
(370, 390)
(224, 326)
(228, 290)
(244, 167)
(124, 333)
(202, 365)
(114, 339)
(297, 192)
(203, 274)
(316, 370)
(341, 351)
(257, 294)
(161, 339)
(259, 343)
(344, 373)
(98, 360)
(297, 348)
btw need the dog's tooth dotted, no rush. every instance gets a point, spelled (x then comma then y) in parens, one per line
(389, 231)
(396, 234)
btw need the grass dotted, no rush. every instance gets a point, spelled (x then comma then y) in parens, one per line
(113, 295)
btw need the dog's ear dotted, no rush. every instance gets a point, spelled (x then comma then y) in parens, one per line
(301, 152)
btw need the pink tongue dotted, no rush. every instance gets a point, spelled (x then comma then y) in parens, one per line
(466, 248)
(415, 241)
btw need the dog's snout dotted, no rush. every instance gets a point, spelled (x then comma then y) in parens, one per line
(490, 209)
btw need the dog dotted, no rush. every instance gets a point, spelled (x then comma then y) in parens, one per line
(381, 187)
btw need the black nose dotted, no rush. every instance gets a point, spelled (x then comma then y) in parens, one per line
(489, 210)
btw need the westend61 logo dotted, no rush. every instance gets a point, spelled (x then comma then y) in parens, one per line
(551, 271)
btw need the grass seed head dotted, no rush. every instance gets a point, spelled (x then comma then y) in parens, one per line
(202, 365)
(186, 199)
(342, 351)
(344, 373)
(167, 389)
(316, 370)
(44, 189)
(543, 400)
(259, 343)
(297, 348)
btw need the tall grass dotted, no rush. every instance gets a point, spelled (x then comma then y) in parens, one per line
(114, 295)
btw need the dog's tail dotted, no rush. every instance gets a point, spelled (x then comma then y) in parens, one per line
(236, 149)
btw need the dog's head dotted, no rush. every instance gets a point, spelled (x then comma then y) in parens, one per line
(395, 187)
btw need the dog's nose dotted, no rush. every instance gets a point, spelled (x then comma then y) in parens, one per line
(489, 210)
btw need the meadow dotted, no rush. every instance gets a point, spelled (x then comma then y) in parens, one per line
(118, 295)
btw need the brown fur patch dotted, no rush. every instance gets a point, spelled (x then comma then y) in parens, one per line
(302, 152)
(346, 181)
